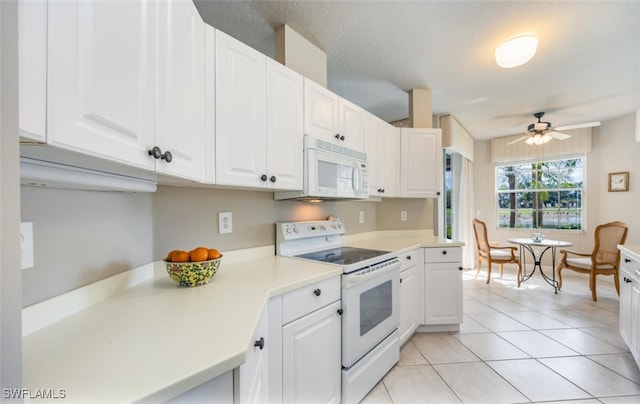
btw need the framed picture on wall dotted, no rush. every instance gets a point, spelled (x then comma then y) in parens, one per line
(619, 182)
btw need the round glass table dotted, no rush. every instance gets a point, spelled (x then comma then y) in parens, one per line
(537, 254)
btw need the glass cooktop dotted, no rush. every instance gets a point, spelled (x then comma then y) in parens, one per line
(343, 255)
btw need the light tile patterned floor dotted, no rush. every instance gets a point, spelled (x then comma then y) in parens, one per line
(519, 345)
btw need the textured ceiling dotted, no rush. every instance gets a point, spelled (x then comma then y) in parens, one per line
(587, 67)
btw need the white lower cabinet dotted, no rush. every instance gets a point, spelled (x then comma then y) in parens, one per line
(250, 380)
(443, 287)
(411, 294)
(630, 304)
(311, 335)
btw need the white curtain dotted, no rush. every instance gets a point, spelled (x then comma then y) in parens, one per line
(464, 206)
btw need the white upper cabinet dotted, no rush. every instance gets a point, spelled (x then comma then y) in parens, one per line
(332, 118)
(131, 91)
(241, 121)
(373, 143)
(351, 120)
(32, 59)
(101, 79)
(420, 163)
(284, 127)
(390, 157)
(180, 122)
(258, 119)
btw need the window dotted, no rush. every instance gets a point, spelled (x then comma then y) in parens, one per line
(541, 194)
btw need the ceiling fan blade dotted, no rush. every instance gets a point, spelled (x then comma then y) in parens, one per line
(517, 140)
(558, 135)
(578, 126)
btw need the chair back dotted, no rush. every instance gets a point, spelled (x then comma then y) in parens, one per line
(482, 241)
(607, 238)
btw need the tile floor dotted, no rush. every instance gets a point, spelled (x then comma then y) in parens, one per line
(519, 345)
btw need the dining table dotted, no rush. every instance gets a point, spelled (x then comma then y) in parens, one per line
(538, 248)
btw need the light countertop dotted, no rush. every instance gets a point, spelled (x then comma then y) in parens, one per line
(155, 340)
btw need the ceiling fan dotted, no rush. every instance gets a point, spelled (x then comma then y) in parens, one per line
(542, 132)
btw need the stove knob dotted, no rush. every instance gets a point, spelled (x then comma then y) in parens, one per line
(288, 230)
(323, 227)
(295, 229)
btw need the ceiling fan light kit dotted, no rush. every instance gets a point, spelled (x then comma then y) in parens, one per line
(538, 139)
(516, 51)
(542, 132)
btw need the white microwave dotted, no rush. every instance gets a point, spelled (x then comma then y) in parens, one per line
(331, 172)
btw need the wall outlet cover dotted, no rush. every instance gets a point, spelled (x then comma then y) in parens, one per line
(225, 222)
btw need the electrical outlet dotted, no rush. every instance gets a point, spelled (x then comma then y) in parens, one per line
(225, 223)
(403, 215)
(26, 245)
(361, 216)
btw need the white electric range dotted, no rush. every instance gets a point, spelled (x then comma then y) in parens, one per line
(370, 296)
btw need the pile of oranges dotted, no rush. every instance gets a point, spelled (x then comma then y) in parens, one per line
(195, 255)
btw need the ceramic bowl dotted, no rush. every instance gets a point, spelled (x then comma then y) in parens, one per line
(190, 274)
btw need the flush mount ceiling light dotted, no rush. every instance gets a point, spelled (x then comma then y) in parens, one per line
(516, 51)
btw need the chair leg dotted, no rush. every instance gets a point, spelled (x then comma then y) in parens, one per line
(519, 275)
(501, 269)
(488, 272)
(592, 285)
(560, 267)
(616, 281)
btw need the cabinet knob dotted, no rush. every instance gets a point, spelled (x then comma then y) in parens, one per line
(444, 252)
(381, 190)
(409, 257)
(460, 269)
(438, 193)
(337, 136)
(317, 292)
(259, 343)
(627, 280)
(155, 152)
(272, 178)
(627, 260)
(167, 156)
(400, 280)
(340, 311)
(263, 177)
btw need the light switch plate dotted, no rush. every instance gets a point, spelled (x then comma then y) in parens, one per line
(26, 245)
(225, 223)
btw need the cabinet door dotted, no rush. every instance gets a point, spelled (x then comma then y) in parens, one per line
(420, 163)
(442, 293)
(351, 121)
(626, 312)
(241, 120)
(101, 79)
(411, 302)
(390, 157)
(373, 144)
(284, 127)
(320, 111)
(181, 90)
(32, 59)
(311, 356)
(250, 380)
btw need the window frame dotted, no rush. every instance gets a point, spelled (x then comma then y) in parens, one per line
(583, 189)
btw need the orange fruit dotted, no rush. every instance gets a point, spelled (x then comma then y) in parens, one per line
(198, 254)
(180, 256)
(171, 254)
(213, 254)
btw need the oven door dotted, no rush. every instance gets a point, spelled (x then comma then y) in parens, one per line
(370, 310)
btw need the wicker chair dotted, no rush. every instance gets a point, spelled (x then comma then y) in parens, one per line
(603, 260)
(492, 253)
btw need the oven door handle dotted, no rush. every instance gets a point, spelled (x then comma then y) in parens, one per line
(349, 280)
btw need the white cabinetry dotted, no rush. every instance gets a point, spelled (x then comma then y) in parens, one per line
(258, 119)
(32, 59)
(420, 163)
(383, 155)
(105, 80)
(311, 333)
(443, 287)
(411, 294)
(250, 380)
(332, 118)
(630, 303)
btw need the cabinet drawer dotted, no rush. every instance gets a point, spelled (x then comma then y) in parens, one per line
(442, 254)
(307, 299)
(408, 259)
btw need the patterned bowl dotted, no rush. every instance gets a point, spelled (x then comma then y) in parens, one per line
(190, 274)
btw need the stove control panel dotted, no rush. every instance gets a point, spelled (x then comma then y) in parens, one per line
(302, 230)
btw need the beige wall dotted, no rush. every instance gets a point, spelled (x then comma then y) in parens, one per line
(613, 149)
(81, 237)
